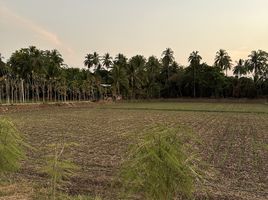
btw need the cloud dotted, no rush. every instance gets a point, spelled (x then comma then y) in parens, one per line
(50, 37)
(10, 17)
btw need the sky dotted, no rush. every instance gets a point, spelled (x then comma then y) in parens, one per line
(147, 27)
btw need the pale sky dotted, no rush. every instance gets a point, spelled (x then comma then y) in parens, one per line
(147, 27)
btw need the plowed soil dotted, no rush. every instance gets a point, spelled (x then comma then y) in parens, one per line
(234, 143)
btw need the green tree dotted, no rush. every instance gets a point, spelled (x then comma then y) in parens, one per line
(96, 61)
(240, 68)
(194, 60)
(119, 78)
(223, 60)
(89, 61)
(107, 61)
(135, 72)
(167, 60)
(121, 60)
(257, 62)
(152, 68)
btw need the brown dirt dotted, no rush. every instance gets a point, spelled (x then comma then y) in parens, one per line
(232, 144)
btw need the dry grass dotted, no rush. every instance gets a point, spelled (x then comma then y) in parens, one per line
(16, 191)
(232, 144)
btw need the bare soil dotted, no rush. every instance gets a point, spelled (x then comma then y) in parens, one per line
(232, 144)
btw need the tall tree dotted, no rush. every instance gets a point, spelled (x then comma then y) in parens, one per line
(89, 61)
(119, 78)
(223, 60)
(135, 72)
(167, 60)
(240, 68)
(257, 62)
(96, 61)
(107, 61)
(152, 68)
(194, 60)
(121, 60)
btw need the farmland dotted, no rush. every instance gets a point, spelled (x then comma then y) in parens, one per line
(233, 137)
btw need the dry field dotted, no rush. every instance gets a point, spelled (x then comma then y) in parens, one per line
(234, 143)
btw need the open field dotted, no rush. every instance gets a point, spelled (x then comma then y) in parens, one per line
(234, 139)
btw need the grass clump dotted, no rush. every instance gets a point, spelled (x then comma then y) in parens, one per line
(11, 147)
(58, 167)
(159, 167)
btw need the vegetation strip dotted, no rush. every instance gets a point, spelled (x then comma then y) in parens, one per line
(186, 110)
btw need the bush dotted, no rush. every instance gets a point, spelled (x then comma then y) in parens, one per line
(158, 167)
(11, 147)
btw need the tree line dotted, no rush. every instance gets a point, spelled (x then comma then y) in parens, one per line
(34, 75)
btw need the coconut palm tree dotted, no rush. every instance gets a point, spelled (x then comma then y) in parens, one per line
(89, 61)
(56, 58)
(240, 68)
(167, 57)
(121, 60)
(107, 61)
(223, 60)
(96, 61)
(119, 78)
(135, 72)
(167, 60)
(53, 62)
(194, 60)
(256, 62)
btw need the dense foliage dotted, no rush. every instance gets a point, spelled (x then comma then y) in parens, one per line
(160, 166)
(11, 147)
(31, 75)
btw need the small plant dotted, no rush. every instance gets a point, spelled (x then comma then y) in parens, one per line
(58, 168)
(11, 147)
(159, 166)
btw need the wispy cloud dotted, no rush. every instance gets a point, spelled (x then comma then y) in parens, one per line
(11, 18)
(10, 15)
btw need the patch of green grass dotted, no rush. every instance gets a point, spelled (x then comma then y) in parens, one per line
(193, 107)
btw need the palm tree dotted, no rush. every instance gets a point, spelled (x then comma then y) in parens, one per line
(56, 58)
(119, 78)
(256, 62)
(152, 68)
(168, 57)
(53, 63)
(240, 68)
(135, 72)
(88, 61)
(194, 60)
(121, 60)
(167, 60)
(96, 61)
(107, 61)
(223, 60)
